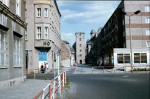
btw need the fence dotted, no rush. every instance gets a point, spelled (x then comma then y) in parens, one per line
(53, 89)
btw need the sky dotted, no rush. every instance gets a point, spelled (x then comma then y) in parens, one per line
(83, 16)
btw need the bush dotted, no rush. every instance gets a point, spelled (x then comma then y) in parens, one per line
(141, 69)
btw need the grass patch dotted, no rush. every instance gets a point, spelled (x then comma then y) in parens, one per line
(141, 69)
(67, 83)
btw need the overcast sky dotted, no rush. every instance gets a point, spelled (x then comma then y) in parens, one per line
(83, 16)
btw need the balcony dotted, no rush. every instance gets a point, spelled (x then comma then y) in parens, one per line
(42, 43)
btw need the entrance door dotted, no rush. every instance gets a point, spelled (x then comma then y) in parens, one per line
(80, 61)
(26, 62)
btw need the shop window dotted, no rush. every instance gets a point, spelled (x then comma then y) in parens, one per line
(140, 58)
(143, 58)
(120, 58)
(136, 57)
(126, 58)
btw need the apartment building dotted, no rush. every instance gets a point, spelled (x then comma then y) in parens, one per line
(80, 48)
(12, 44)
(43, 42)
(115, 43)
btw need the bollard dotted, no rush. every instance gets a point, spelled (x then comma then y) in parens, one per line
(45, 75)
(34, 74)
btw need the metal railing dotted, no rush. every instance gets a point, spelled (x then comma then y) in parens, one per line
(53, 89)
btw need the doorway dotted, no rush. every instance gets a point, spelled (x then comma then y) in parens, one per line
(80, 61)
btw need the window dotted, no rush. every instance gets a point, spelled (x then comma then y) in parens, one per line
(80, 45)
(38, 33)
(80, 50)
(38, 12)
(136, 57)
(140, 58)
(45, 12)
(18, 7)
(143, 58)
(80, 54)
(6, 2)
(147, 8)
(123, 58)
(147, 31)
(46, 33)
(120, 58)
(3, 49)
(17, 51)
(147, 20)
(80, 39)
(148, 43)
(126, 58)
(26, 35)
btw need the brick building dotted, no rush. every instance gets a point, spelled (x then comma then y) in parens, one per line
(67, 54)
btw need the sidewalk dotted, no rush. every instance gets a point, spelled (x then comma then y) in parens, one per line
(26, 90)
(88, 70)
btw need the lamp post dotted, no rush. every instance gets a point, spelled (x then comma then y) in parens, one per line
(137, 12)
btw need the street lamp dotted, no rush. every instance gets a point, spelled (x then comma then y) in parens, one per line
(137, 12)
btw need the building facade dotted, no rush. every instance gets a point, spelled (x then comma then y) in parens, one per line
(67, 54)
(12, 44)
(43, 42)
(80, 48)
(113, 42)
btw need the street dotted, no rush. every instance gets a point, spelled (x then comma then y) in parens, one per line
(109, 86)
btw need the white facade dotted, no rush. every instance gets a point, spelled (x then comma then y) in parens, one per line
(140, 57)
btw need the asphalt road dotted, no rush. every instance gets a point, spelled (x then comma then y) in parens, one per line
(108, 86)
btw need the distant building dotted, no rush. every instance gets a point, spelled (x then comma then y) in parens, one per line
(12, 44)
(67, 54)
(80, 48)
(72, 56)
(43, 41)
(74, 48)
(91, 48)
